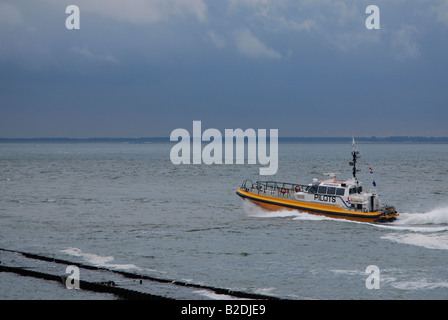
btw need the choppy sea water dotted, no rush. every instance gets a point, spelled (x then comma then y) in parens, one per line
(127, 207)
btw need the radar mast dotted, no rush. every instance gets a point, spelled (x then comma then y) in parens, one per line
(356, 156)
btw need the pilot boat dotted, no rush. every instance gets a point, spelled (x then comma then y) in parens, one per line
(330, 197)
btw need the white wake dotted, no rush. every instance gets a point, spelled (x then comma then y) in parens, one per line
(426, 229)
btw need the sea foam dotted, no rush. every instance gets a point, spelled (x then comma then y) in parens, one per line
(97, 260)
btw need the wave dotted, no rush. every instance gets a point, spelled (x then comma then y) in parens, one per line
(389, 278)
(419, 222)
(427, 230)
(417, 284)
(254, 210)
(215, 296)
(435, 220)
(436, 216)
(97, 260)
(429, 241)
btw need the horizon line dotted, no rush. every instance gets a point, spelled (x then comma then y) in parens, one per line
(283, 139)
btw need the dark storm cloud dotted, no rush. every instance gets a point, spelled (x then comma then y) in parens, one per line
(144, 68)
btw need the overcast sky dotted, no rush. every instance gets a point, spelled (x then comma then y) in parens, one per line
(140, 68)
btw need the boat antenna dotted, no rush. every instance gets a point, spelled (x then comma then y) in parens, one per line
(356, 155)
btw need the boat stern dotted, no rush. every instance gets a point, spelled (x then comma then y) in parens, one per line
(388, 214)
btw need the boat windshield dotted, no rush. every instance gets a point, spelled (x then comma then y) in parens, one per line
(327, 190)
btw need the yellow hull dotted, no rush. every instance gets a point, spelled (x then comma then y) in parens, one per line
(274, 203)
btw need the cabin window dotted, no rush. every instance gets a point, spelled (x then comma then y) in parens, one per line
(356, 190)
(359, 206)
(322, 189)
(331, 191)
(312, 189)
(340, 191)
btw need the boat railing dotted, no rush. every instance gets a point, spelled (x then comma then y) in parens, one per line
(273, 187)
(283, 189)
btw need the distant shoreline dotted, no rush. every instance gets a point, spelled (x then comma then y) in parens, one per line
(143, 140)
